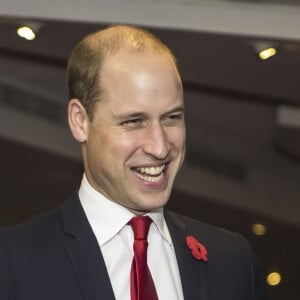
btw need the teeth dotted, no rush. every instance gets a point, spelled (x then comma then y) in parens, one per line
(150, 174)
(150, 178)
(152, 170)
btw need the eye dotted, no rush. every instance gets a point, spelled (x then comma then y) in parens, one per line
(174, 118)
(177, 116)
(135, 122)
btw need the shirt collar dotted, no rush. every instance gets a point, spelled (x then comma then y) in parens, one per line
(107, 218)
(158, 219)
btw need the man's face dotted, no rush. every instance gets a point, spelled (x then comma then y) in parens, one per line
(136, 142)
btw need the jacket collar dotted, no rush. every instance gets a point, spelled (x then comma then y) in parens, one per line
(193, 273)
(84, 253)
(88, 264)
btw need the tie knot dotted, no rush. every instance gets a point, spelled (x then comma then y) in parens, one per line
(140, 226)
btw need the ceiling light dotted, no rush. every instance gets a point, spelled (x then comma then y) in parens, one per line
(259, 229)
(267, 53)
(273, 278)
(264, 49)
(29, 30)
(26, 33)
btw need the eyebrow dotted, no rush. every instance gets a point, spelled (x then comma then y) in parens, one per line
(129, 115)
(175, 110)
(142, 114)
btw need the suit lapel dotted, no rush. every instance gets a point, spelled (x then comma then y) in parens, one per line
(83, 250)
(194, 273)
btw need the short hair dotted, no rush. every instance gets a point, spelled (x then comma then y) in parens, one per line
(86, 59)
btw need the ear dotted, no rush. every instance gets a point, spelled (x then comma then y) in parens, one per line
(78, 120)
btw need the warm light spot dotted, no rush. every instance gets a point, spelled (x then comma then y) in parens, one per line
(273, 278)
(26, 33)
(259, 229)
(267, 53)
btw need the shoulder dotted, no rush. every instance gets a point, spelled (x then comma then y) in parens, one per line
(20, 245)
(220, 242)
(32, 231)
(226, 251)
(38, 228)
(194, 225)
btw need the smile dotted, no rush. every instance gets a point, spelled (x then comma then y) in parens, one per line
(150, 174)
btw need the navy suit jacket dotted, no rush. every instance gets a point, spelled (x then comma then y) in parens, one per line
(56, 257)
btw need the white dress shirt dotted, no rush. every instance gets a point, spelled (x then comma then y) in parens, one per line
(115, 238)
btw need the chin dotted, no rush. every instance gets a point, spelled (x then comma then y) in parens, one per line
(157, 203)
(147, 201)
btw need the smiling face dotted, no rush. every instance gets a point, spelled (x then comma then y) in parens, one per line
(135, 144)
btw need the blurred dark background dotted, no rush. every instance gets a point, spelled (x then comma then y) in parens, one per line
(242, 168)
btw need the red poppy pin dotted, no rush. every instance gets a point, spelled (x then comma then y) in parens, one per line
(198, 250)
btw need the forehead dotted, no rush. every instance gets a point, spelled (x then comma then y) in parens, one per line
(130, 61)
(127, 66)
(140, 81)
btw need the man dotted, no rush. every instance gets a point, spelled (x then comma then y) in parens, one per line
(126, 110)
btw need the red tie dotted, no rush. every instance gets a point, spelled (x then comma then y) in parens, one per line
(141, 283)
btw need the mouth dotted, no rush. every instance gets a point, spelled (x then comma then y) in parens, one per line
(150, 174)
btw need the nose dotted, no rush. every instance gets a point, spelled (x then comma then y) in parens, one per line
(156, 142)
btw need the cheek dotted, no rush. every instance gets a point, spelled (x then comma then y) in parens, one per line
(134, 139)
(176, 137)
(100, 149)
(124, 145)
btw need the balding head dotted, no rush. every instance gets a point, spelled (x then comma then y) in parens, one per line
(87, 58)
